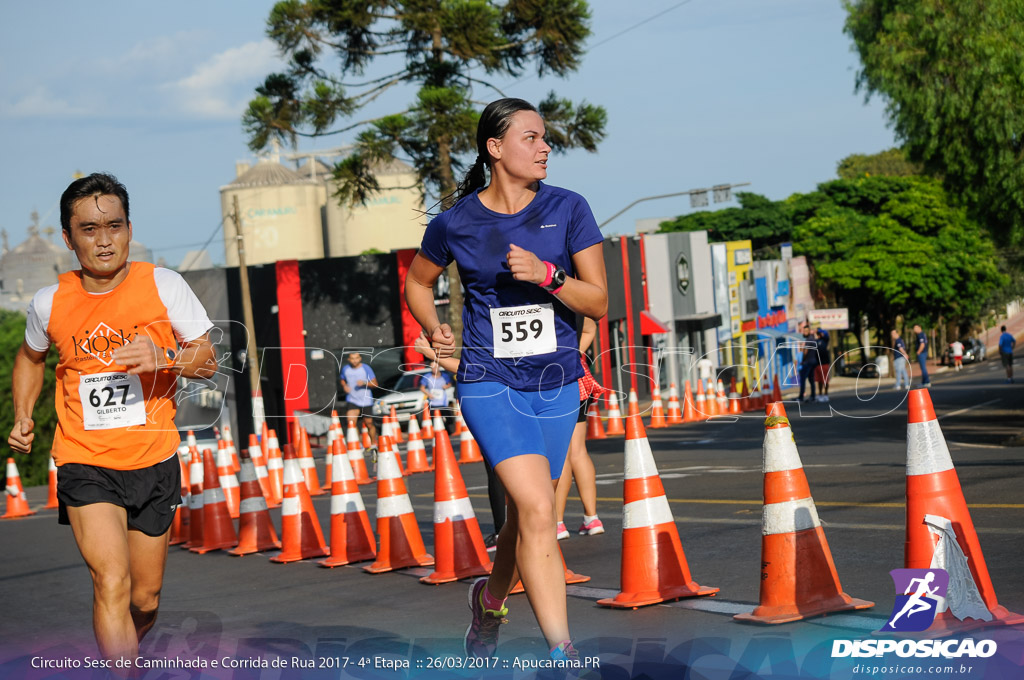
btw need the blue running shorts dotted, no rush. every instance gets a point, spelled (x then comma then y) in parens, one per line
(508, 422)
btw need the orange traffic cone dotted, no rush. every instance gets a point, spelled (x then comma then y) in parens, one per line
(259, 464)
(255, 530)
(654, 567)
(396, 428)
(229, 440)
(633, 406)
(427, 429)
(51, 499)
(744, 398)
(702, 408)
(190, 439)
(17, 504)
(195, 500)
(218, 529)
(689, 410)
(614, 425)
(367, 442)
(275, 470)
(301, 537)
(675, 413)
(355, 455)
(469, 450)
(460, 424)
(415, 451)
(776, 390)
(265, 441)
(798, 576)
(352, 538)
(722, 400)
(734, 399)
(710, 402)
(306, 462)
(595, 430)
(658, 419)
(401, 544)
(227, 479)
(458, 544)
(756, 402)
(181, 526)
(940, 532)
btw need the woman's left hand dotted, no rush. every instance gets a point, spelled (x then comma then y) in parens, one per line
(525, 266)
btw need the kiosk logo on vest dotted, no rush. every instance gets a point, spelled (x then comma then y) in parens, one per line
(919, 595)
(101, 342)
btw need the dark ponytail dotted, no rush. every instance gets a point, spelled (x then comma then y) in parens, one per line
(494, 123)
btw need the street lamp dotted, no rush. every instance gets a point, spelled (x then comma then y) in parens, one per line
(698, 198)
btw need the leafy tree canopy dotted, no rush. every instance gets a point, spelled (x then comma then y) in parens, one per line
(33, 467)
(950, 73)
(446, 49)
(891, 246)
(888, 163)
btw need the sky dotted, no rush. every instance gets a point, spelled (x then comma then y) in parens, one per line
(698, 93)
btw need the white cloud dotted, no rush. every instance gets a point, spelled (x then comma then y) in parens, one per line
(40, 102)
(221, 86)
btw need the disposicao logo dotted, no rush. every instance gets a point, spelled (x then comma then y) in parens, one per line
(919, 594)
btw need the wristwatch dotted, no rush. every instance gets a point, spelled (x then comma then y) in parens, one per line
(557, 280)
(171, 357)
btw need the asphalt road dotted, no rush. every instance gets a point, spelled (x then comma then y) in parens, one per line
(248, 610)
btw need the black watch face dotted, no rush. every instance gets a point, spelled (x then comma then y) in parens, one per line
(559, 277)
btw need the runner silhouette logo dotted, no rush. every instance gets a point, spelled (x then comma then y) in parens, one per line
(920, 593)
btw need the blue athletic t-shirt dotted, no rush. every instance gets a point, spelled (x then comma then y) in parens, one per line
(532, 356)
(359, 396)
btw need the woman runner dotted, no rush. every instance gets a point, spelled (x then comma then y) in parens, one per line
(530, 258)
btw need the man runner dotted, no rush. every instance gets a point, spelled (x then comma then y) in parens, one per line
(124, 331)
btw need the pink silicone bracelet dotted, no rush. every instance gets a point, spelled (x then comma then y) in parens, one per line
(551, 272)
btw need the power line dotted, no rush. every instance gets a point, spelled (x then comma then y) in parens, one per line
(638, 25)
(612, 37)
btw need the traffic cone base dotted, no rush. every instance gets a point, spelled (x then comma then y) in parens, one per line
(352, 539)
(815, 574)
(400, 553)
(17, 505)
(935, 497)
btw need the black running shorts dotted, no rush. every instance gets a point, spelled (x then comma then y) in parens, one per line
(149, 495)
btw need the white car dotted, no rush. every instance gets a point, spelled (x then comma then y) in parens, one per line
(405, 395)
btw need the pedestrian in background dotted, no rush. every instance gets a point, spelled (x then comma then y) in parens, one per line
(957, 348)
(821, 373)
(356, 379)
(922, 355)
(1006, 344)
(899, 361)
(808, 362)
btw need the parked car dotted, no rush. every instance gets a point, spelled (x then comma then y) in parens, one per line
(405, 395)
(974, 350)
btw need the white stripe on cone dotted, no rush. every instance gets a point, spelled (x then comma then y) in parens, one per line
(459, 509)
(646, 512)
(342, 504)
(254, 504)
(789, 517)
(926, 449)
(394, 506)
(780, 452)
(639, 459)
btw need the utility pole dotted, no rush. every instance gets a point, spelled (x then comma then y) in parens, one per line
(258, 414)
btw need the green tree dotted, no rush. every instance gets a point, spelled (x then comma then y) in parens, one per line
(32, 467)
(888, 163)
(950, 73)
(446, 49)
(897, 246)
